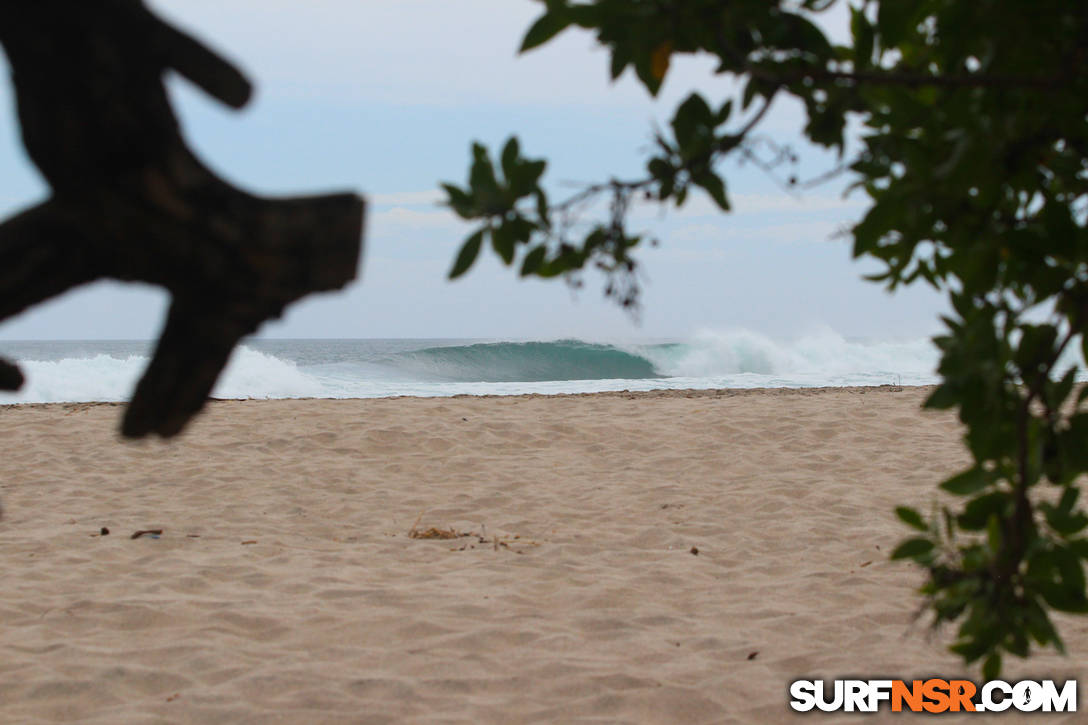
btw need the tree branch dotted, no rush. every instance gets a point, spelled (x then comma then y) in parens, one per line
(131, 201)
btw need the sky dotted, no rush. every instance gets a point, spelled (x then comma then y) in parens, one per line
(385, 97)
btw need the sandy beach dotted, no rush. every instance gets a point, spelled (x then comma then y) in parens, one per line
(673, 557)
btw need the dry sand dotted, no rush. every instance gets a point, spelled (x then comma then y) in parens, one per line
(285, 587)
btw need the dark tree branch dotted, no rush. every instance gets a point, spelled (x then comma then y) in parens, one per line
(215, 76)
(130, 200)
(10, 376)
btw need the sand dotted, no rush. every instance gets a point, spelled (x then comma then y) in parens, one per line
(285, 586)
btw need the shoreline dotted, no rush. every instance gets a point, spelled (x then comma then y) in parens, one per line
(653, 393)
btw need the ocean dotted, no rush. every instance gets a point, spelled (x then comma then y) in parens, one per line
(79, 371)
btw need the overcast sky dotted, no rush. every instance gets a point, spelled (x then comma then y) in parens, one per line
(384, 97)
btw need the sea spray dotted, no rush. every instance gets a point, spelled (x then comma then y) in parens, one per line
(98, 377)
(253, 374)
(820, 353)
(103, 377)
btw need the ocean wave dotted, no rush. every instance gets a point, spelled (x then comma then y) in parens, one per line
(91, 378)
(821, 353)
(365, 368)
(105, 377)
(501, 362)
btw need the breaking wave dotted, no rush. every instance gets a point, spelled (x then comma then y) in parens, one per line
(499, 362)
(371, 368)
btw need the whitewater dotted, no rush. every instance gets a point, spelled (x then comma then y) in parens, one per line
(84, 371)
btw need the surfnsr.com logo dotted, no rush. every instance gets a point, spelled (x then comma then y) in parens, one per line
(933, 696)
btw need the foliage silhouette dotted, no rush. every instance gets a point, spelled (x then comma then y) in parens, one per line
(131, 201)
(974, 154)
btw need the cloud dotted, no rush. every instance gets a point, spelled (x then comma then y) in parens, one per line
(806, 232)
(400, 217)
(699, 205)
(785, 203)
(432, 197)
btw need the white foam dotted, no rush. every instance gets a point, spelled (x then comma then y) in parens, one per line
(820, 355)
(253, 374)
(249, 374)
(100, 377)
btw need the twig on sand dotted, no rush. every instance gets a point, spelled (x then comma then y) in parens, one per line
(435, 533)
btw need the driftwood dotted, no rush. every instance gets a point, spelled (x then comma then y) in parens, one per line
(130, 201)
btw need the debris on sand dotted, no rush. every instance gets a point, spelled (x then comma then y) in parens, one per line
(434, 533)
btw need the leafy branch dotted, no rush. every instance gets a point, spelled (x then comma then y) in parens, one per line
(974, 155)
(516, 216)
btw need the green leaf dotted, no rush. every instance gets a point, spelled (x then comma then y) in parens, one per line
(460, 201)
(715, 187)
(693, 116)
(724, 112)
(825, 126)
(1068, 499)
(1074, 441)
(595, 239)
(620, 60)
(1079, 547)
(872, 228)
(895, 19)
(525, 175)
(469, 251)
(520, 229)
(978, 511)
(510, 156)
(1065, 600)
(994, 535)
(503, 238)
(1036, 347)
(481, 177)
(546, 27)
(943, 398)
(1038, 623)
(913, 548)
(1059, 391)
(535, 169)
(911, 518)
(968, 482)
(533, 260)
(659, 168)
(970, 648)
(991, 668)
(863, 37)
(750, 91)
(644, 69)
(542, 209)
(1071, 570)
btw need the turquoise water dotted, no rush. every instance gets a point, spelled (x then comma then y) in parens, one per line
(107, 370)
